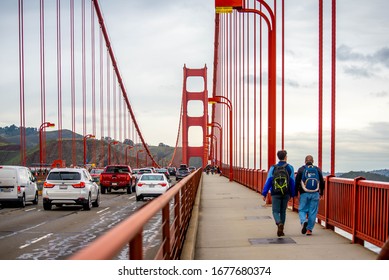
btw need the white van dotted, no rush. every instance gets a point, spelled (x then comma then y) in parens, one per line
(17, 184)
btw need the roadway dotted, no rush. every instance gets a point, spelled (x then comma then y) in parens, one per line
(32, 233)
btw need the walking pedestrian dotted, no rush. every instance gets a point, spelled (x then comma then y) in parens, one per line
(280, 182)
(310, 184)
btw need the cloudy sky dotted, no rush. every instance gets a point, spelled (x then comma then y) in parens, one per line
(152, 40)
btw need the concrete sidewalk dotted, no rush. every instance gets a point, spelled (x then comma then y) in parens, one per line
(232, 222)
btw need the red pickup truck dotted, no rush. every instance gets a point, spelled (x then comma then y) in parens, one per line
(117, 177)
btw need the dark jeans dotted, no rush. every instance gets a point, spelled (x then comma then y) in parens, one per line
(279, 205)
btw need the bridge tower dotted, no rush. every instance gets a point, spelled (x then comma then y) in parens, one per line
(199, 121)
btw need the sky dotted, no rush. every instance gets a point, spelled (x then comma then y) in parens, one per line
(153, 40)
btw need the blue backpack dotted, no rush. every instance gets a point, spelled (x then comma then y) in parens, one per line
(310, 180)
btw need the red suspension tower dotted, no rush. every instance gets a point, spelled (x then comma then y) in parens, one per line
(201, 121)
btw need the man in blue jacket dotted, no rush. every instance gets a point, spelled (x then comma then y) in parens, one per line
(280, 182)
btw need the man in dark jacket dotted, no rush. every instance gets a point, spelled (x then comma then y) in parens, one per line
(310, 184)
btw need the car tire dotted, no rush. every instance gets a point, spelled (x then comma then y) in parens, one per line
(88, 205)
(22, 202)
(35, 201)
(96, 203)
(138, 198)
(47, 205)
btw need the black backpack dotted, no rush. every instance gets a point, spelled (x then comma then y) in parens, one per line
(280, 180)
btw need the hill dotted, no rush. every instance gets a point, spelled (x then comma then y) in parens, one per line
(367, 175)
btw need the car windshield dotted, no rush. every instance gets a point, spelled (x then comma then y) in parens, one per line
(142, 171)
(117, 169)
(96, 171)
(64, 176)
(153, 177)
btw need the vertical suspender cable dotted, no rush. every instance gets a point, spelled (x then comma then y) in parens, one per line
(59, 78)
(93, 60)
(21, 84)
(283, 78)
(72, 82)
(83, 68)
(255, 89)
(101, 97)
(320, 132)
(333, 87)
(43, 82)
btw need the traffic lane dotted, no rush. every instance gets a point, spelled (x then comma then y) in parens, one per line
(56, 234)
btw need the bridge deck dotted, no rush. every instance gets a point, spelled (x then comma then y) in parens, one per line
(232, 222)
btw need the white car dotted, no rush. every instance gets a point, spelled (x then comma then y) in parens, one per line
(151, 185)
(17, 184)
(67, 186)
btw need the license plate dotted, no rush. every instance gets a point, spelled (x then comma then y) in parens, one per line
(151, 186)
(63, 187)
(6, 190)
(114, 184)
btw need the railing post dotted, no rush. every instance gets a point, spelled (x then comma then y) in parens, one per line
(356, 211)
(166, 232)
(136, 247)
(327, 200)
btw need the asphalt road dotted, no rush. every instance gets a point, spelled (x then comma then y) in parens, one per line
(32, 233)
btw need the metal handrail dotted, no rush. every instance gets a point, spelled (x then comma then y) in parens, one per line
(130, 231)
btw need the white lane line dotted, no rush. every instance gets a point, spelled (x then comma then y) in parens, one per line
(29, 209)
(35, 240)
(131, 197)
(105, 209)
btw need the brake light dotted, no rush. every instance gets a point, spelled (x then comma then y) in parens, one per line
(19, 189)
(48, 185)
(101, 178)
(79, 185)
(140, 184)
(163, 184)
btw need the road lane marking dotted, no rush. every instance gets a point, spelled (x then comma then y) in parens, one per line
(131, 197)
(36, 240)
(20, 231)
(105, 209)
(29, 209)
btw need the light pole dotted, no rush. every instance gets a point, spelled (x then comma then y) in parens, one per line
(114, 142)
(86, 137)
(213, 152)
(224, 100)
(128, 148)
(137, 158)
(43, 125)
(216, 124)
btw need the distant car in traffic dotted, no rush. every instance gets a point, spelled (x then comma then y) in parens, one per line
(192, 168)
(172, 170)
(17, 184)
(182, 172)
(143, 171)
(70, 186)
(163, 171)
(151, 185)
(95, 173)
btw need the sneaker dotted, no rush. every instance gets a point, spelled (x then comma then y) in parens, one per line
(280, 230)
(304, 228)
(309, 232)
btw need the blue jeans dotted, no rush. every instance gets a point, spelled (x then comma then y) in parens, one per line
(308, 206)
(279, 205)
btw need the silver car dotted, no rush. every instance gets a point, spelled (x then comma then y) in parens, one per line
(70, 186)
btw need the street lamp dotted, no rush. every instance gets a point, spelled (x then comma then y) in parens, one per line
(114, 142)
(43, 125)
(86, 137)
(128, 148)
(137, 158)
(213, 150)
(217, 125)
(224, 100)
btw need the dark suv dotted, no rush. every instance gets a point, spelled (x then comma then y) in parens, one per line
(182, 172)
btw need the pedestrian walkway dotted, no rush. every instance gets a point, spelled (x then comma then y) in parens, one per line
(232, 222)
